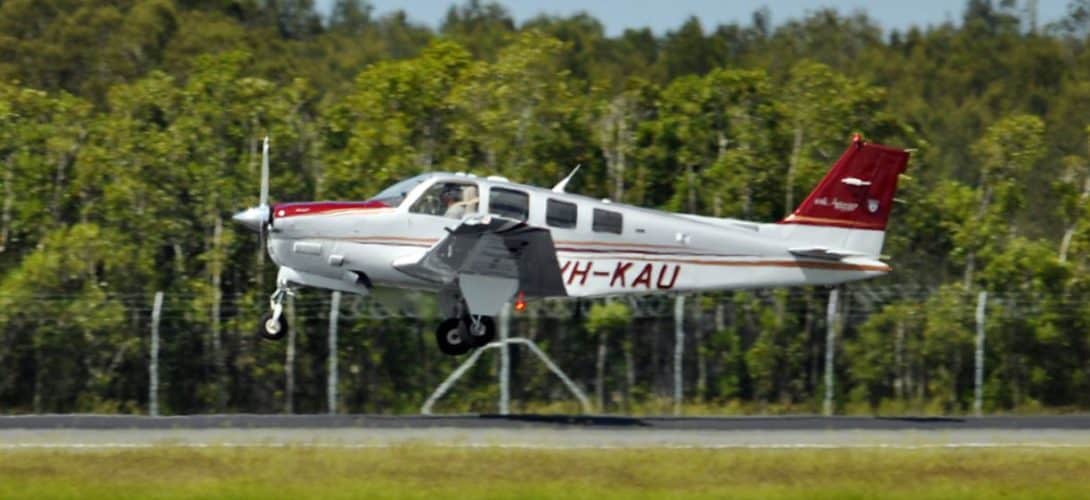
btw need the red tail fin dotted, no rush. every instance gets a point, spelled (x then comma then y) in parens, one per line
(857, 192)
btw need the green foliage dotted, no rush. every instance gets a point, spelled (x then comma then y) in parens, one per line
(608, 317)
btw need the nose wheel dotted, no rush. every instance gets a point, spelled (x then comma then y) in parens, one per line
(273, 325)
(456, 336)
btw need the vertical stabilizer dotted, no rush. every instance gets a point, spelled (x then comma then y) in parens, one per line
(849, 209)
(857, 192)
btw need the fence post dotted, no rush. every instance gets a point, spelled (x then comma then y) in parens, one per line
(289, 359)
(331, 381)
(679, 350)
(978, 372)
(505, 360)
(831, 324)
(153, 367)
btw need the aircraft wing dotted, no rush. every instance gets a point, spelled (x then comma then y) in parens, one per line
(492, 258)
(823, 253)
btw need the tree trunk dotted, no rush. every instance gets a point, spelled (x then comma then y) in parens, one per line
(970, 259)
(690, 176)
(39, 380)
(614, 139)
(701, 358)
(618, 176)
(792, 168)
(1065, 244)
(600, 372)
(289, 358)
(9, 200)
(218, 378)
(629, 369)
(899, 361)
(679, 352)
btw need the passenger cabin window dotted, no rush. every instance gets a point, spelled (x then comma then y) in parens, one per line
(560, 214)
(509, 203)
(448, 199)
(606, 221)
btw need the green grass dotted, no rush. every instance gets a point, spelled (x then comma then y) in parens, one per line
(430, 472)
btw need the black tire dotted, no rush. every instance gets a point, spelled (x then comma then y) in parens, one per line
(485, 333)
(268, 330)
(452, 337)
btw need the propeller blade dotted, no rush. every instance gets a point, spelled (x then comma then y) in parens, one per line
(265, 173)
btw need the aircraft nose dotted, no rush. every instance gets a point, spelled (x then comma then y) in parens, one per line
(252, 217)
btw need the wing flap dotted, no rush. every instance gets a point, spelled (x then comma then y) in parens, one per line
(494, 247)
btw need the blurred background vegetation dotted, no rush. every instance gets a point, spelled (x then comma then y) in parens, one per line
(129, 133)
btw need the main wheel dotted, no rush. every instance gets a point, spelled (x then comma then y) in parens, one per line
(481, 333)
(452, 337)
(272, 330)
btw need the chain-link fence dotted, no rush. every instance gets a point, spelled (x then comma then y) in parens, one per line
(894, 348)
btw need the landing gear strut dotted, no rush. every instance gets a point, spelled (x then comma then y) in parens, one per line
(462, 330)
(481, 329)
(274, 326)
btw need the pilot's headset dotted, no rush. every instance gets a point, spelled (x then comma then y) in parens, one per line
(452, 193)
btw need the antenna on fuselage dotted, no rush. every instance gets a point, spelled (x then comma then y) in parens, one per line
(559, 187)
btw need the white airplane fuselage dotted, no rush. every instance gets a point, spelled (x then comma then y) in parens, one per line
(355, 246)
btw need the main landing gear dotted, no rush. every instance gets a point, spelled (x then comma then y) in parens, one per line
(274, 326)
(456, 336)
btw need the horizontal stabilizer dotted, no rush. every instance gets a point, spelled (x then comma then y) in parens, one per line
(824, 253)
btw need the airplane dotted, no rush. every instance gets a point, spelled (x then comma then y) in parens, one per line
(481, 242)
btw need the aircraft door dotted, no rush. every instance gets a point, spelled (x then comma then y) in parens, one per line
(443, 204)
(453, 200)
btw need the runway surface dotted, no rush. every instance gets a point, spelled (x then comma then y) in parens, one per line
(540, 431)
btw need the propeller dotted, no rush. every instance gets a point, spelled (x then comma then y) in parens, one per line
(256, 218)
(264, 173)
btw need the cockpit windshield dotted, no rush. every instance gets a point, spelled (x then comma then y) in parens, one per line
(394, 195)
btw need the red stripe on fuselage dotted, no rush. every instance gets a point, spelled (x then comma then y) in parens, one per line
(281, 210)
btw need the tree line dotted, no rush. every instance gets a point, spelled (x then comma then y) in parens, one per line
(130, 130)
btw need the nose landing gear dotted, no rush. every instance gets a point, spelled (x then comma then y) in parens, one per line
(274, 326)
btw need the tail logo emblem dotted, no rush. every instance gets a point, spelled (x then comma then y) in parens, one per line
(872, 205)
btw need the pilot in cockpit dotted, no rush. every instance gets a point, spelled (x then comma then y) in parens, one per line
(467, 205)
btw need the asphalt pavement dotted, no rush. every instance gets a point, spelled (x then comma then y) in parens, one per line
(528, 421)
(89, 432)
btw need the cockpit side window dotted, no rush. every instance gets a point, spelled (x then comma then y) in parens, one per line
(448, 199)
(509, 203)
(394, 195)
(607, 221)
(561, 213)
